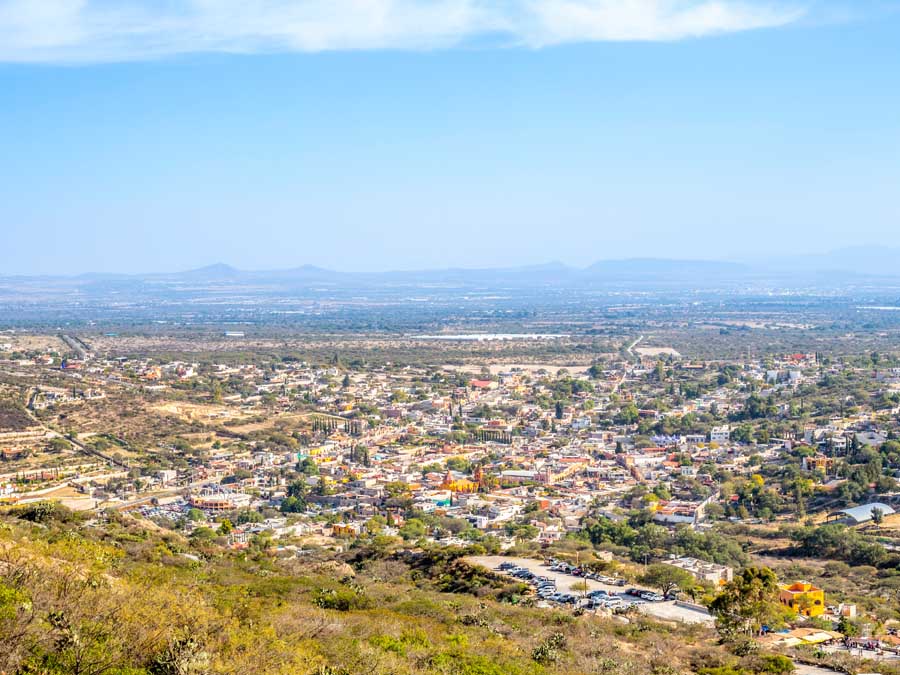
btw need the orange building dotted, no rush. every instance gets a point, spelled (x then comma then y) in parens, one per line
(803, 598)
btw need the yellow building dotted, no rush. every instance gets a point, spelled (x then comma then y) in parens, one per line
(345, 530)
(803, 598)
(459, 485)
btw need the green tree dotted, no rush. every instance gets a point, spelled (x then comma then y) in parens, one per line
(58, 444)
(308, 466)
(629, 414)
(375, 524)
(776, 664)
(847, 627)
(667, 578)
(249, 516)
(522, 532)
(323, 488)
(413, 529)
(748, 603)
(196, 515)
(296, 499)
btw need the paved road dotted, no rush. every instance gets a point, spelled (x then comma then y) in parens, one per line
(813, 670)
(862, 653)
(564, 582)
(634, 344)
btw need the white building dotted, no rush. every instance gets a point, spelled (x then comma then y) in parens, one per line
(702, 570)
(720, 434)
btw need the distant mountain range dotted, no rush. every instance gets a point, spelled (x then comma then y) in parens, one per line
(632, 270)
(847, 264)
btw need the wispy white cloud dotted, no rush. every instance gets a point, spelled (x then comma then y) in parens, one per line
(116, 30)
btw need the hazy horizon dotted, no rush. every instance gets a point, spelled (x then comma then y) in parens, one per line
(812, 261)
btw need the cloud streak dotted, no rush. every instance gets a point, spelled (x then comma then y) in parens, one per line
(79, 31)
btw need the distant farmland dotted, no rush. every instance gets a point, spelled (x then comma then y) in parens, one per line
(14, 418)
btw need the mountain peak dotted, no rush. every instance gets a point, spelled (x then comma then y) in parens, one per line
(214, 271)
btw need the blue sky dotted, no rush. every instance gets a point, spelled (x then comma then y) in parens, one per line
(401, 134)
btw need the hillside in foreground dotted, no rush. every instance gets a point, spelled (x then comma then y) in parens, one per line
(115, 596)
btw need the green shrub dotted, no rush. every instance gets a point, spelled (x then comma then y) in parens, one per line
(341, 599)
(775, 664)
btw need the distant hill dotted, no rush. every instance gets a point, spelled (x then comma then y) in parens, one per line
(838, 266)
(647, 269)
(211, 272)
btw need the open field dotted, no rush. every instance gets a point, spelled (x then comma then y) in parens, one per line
(532, 369)
(131, 418)
(14, 418)
(198, 412)
(656, 351)
(21, 342)
(369, 347)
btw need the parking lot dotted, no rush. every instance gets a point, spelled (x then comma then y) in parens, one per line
(173, 511)
(565, 583)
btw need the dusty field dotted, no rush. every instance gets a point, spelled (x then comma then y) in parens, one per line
(890, 524)
(280, 422)
(126, 417)
(531, 368)
(656, 351)
(321, 347)
(14, 418)
(40, 343)
(196, 412)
